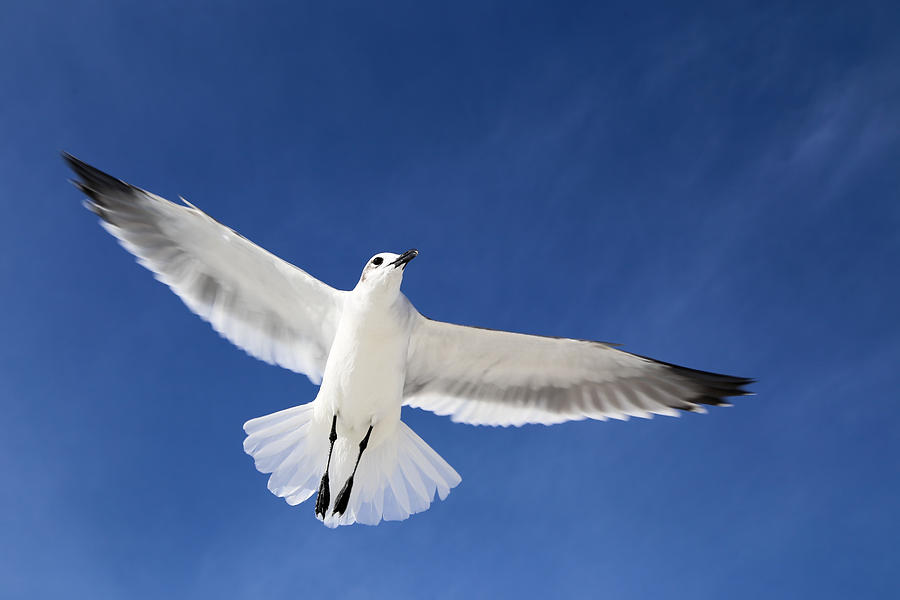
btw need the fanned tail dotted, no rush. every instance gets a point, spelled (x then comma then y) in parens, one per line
(395, 479)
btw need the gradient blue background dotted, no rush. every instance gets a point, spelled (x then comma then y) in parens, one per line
(713, 185)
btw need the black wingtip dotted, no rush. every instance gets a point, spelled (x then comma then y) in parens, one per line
(81, 168)
(92, 179)
(713, 389)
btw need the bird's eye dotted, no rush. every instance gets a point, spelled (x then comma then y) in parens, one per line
(377, 261)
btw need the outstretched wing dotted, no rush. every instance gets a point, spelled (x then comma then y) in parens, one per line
(270, 308)
(488, 377)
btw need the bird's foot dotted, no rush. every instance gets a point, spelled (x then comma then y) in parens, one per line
(323, 499)
(343, 498)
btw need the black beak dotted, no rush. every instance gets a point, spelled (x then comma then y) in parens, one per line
(405, 258)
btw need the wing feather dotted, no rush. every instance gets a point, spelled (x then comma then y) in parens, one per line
(267, 306)
(489, 377)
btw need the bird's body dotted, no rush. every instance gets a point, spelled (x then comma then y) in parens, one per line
(373, 352)
(366, 368)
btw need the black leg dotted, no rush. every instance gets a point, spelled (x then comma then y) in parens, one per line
(324, 497)
(343, 498)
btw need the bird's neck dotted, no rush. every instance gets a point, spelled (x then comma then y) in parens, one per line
(374, 298)
(376, 316)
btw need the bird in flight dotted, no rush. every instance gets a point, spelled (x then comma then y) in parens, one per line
(372, 352)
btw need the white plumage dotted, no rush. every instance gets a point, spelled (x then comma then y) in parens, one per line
(372, 352)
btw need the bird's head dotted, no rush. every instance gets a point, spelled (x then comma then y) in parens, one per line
(383, 273)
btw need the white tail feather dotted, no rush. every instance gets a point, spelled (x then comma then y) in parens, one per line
(395, 479)
(293, 447)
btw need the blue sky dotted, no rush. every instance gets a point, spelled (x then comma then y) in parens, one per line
(714, 185)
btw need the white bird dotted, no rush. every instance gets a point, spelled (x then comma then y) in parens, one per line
(373, 352)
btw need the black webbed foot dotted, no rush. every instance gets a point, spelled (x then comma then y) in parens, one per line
(343, 498)
(323, 499)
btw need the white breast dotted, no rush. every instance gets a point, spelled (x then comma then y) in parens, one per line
(366, 368)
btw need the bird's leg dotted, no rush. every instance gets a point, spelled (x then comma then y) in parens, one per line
(343, 497)
(323, 499)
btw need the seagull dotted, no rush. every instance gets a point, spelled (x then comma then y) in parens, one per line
(371, 352)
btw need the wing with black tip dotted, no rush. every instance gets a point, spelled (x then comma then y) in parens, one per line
(488, 377)
(270, 308)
